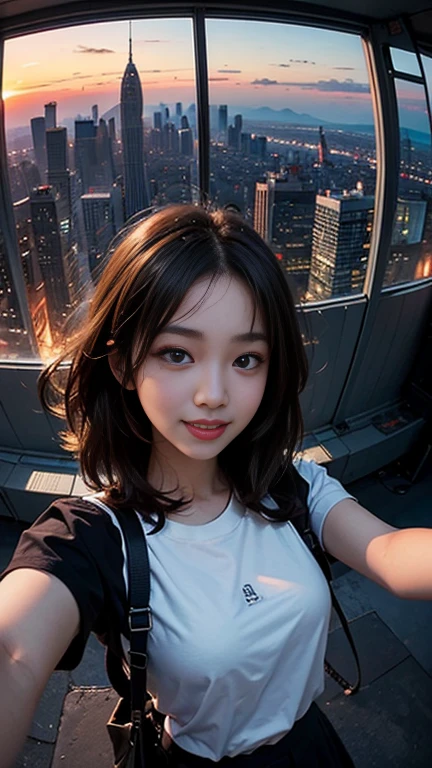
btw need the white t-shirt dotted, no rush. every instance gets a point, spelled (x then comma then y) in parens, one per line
(240, 621)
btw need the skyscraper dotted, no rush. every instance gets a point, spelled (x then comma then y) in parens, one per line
(14, 339)
(132, 129)
(157, 120)
(105, 172)
(170, 138)
(178, 114)
(223, 119)
(58, 174)
(56, 145)
(258, 146)
(50, 254)
(39, 144)
(85, 153)
(235, 132)
(95, 114)
(99, 216)
(35, 288)
(340, 245)
(51, 115)
(283, 216)
(112, 129)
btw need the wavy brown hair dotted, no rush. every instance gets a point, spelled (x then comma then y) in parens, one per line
(143, 284)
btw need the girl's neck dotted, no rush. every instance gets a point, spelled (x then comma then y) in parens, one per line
(178, 475)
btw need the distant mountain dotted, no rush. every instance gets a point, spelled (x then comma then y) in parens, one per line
(258, 114)
(269, 115)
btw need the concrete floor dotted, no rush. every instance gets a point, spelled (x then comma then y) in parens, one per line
(388, 724)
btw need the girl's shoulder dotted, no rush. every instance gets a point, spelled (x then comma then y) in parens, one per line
(76, 540)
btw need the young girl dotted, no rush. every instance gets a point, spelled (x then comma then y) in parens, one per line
(181, 394)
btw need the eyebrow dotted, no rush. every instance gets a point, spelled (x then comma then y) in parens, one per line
(180, 330)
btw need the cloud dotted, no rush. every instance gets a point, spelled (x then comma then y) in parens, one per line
(217, 79)
(30, 64)
(333, 85)
(50, 83)
(266, 81)
(344, 68)
(339, 86)
(230, 71)
(155, 40)
(86, 49)
(293, 61)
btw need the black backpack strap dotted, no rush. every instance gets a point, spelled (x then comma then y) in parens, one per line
(139, 619)
(301, 522)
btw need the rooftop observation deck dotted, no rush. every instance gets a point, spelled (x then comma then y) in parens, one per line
(386, 725)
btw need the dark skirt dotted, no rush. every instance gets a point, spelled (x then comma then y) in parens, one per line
(311, 743)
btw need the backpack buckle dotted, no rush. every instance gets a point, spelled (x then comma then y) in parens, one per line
(140, 620)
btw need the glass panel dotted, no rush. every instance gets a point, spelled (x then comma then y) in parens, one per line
(293, 147)
(405, 61)
(107, 132)
(411, 247)
(427, 66)
(15, 342)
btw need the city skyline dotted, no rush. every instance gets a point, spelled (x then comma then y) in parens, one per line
(314, 71)
(301, 180)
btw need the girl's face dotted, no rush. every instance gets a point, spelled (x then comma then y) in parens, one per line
(205, 374)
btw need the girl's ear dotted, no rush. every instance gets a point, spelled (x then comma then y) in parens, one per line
(115, 363)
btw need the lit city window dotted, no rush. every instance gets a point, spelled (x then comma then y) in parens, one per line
(411, 244)
(293, 147)
(100, 125)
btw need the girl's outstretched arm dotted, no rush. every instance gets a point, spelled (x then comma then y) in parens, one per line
(39, 617)
(398, 559)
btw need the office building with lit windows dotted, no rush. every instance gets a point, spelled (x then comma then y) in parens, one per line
(50, 253)
(283, 216)
(340, 245)
(102, 218)
(85, 153)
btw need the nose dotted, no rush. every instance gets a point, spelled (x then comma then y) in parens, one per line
(211, 389)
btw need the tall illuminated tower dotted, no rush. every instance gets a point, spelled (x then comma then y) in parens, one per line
(132, 132)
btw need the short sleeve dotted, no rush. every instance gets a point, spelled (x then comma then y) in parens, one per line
(72, 540)
(324, 493)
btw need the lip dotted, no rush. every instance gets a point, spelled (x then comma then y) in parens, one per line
(208, 422)
(219, 428)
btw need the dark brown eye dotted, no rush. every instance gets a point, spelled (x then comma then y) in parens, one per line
(176, 356)
(247, 362)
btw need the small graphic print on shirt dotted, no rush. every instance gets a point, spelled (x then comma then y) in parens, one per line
(250, 595)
